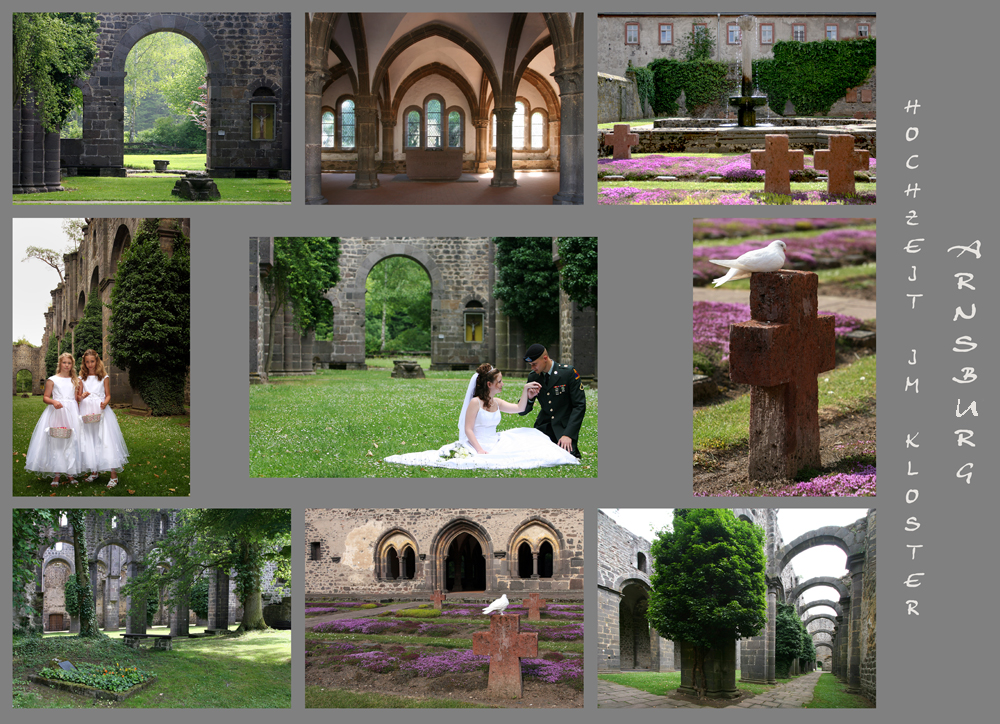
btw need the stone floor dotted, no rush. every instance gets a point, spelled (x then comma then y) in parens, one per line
(791, 695)
(533, 187)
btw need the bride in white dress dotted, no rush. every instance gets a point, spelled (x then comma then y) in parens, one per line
(479, 444)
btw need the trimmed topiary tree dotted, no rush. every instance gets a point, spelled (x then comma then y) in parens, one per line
(527, 285)
(708, 587)
(52, 356)
(89, 332)
(787, 638)
(150, 325)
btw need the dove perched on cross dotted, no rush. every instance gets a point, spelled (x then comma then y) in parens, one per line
(498, 606)
(768, 259)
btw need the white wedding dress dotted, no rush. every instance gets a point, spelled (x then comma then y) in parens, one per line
(522, 447)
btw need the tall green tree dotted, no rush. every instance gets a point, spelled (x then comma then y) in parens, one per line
(242, 540)
(787, 637)
(30, 529)
(50, 52)
(89, 332)
(708, 585)
(52, 356)
(150, 326)
(578, 274)
(397, 306)
(527, 285)
(304, 269)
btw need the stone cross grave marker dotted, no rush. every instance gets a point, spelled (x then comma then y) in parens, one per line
(776, 161)
(506, 646)
(622, 141)
(840, 161)
(780, 352)
(535, 603)
(438, 598)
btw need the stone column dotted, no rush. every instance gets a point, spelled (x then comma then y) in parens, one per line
(503, 174)
(315, 80)
(27, 185)
(571, 135)
(111, 602)
(306, 352)
(855, 565)
(218, 599)
(366, 130)
(482, 126)
(135, 606)
(388, 144)
(179, 614)
(534, 565)
(52, 177)
(38, 158)
(772, 601)
(15, 166)
(290, 343)
(843, 635)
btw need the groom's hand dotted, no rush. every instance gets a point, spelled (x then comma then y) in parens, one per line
(566, 443)
(533, 389)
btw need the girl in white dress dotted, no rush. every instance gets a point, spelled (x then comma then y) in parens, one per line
(50, 455)
(479, 444)
(102, 446)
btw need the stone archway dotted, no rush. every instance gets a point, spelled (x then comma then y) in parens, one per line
(634, 633)
(463, 558)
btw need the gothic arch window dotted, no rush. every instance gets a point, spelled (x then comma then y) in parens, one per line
(395, 556)
(409, 563)
(329, 127)
(346, 124)
(640, 562)
(518, 129)
(434, 117)
(456, 127)
(392, 558)
(525, 561)
(546, 560)
(539, 130)
(413, 128)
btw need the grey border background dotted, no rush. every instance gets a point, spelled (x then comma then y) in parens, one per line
(933, 666)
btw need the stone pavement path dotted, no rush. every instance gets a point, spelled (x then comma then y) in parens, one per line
(791, 695)
(860, 308)
(363, 613)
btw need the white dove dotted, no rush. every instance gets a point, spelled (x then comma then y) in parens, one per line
(768, 259)
(498, 606)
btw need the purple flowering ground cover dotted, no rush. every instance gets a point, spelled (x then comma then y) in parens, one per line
(693, 168)
(630, 195)
(707, 229)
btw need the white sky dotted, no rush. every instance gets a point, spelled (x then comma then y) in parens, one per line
(793, 522)
(33, 280)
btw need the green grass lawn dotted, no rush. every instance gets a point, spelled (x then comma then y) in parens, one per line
(666, 682)
(830, 694)
(637, 122)
(862, 275)
(319, 698)
(178, 161)
(156, 189)
(718, 427)
(249, 671)
(159, 456)
(344, 423)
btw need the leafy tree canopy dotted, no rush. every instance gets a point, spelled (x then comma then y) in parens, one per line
(29, 529)
(708, 585)
(52, 356)
(397, 306)
(788, 636)
(527, 285)
(578, 255)
(88, 333)
(50, 52)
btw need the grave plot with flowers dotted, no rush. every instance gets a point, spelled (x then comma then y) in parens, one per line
(784, 359)
(412, 655)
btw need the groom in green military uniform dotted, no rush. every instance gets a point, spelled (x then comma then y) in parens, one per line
(562, 399)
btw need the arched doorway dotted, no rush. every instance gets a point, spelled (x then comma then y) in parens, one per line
(466, 565)
(397, 307)
(633, 629)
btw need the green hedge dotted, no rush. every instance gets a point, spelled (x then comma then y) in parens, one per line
(813, 75)
(703, 82)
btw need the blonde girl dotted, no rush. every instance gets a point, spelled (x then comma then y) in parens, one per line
(102, 447)
(54, 448)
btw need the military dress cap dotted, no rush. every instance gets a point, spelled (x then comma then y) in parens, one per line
(534, 352)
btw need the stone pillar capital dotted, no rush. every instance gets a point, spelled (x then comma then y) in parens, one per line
(570, 80)
(316, 78)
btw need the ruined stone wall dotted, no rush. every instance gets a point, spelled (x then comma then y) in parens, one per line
(868, 614)
(345, 543)
(26, 357)
(248, 60)
(617, 99)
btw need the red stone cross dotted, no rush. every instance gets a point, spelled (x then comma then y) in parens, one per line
(780, 352)
(534, 602)
(622, 140)
(506, 646)
(776, 161)
(840, 161)
(438, 597)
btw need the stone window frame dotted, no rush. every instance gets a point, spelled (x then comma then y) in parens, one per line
(461, 126)
(660, 33)
(420, 123)
(836, 31)
(333, 136)
(631, 24)
(272, 103)
(545, 130)
(640, 562)
(515, 569)
(315, 551)
(867, 31)
(729, 34)
(760, 34)
(382, 547)
(804, 32)
(444, 126)
(469, 310)
(340, 122)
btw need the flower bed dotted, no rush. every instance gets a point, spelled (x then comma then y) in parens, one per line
(336, 607)
(114, 677)
(860, 483)
(831, 246)
(628, 195)
(713, 319)
(706, 229)
(694, 168)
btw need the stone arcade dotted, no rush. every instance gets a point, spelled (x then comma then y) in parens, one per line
(248, 56)
(90, 270)
(387, 92)
(462, 275)
(845, 642)
(115, 553)
(474, 553)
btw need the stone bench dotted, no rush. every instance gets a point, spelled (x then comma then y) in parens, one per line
(160, 641)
